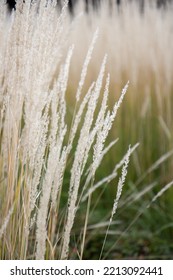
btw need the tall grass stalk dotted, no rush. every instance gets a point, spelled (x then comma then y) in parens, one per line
(118, 194)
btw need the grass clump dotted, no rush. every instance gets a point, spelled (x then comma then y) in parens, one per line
(42, 155)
